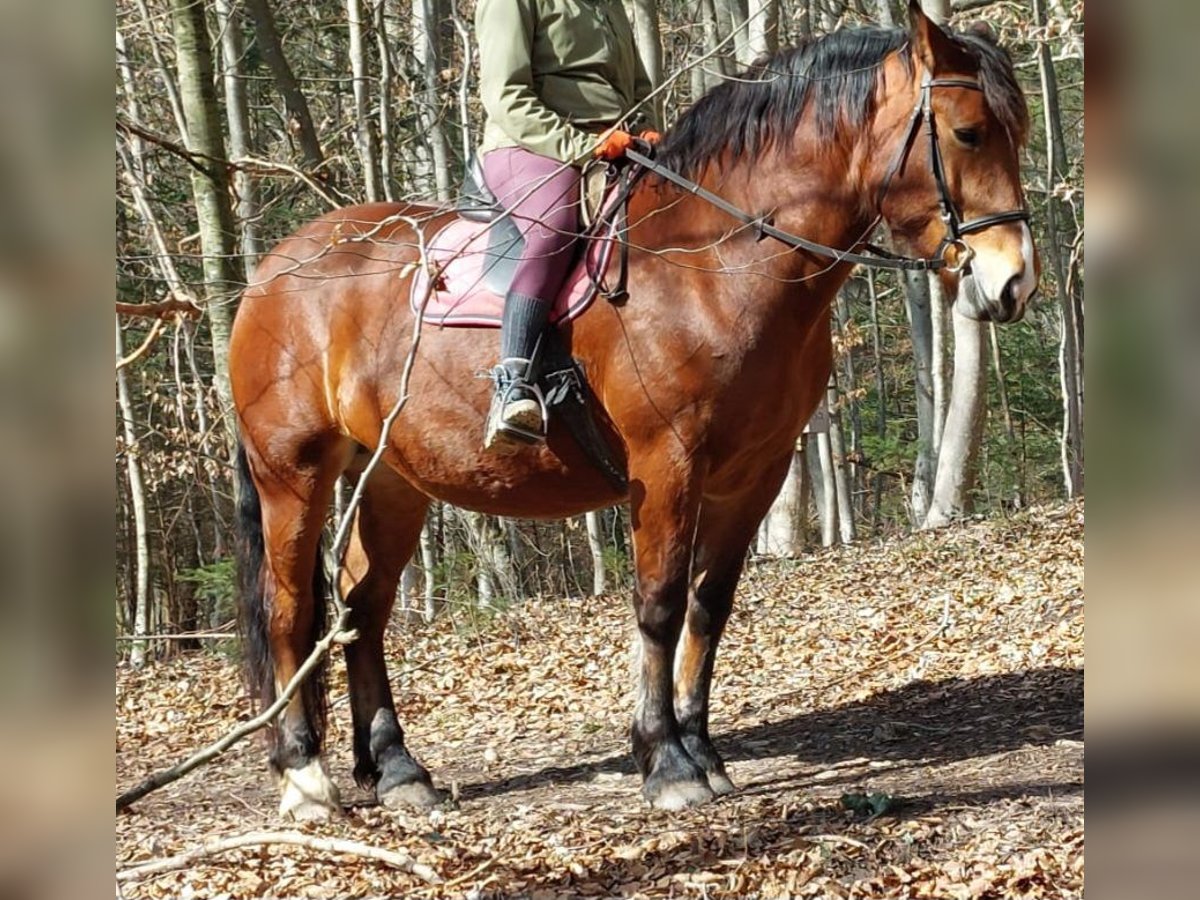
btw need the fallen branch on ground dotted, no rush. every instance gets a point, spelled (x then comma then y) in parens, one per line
(397, 860)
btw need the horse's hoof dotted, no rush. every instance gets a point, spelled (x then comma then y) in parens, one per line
(309, 794)
(309, 811)
(418, 795)
(720, 783)
(677, 795)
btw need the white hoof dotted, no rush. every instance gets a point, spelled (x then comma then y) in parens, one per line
(682, 795)
(309, 794)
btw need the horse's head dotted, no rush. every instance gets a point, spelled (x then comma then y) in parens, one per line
(953, 188)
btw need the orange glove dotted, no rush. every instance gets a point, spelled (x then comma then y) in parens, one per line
(650, 137)
(614, 145)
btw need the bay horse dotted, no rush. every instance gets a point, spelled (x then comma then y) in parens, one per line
(706, 376)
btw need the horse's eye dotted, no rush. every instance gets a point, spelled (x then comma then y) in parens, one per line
(967, 136)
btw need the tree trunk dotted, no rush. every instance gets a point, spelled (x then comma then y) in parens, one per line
(368, 153)
(643, 15)
(1009, 431)
(964, 427)
(1070, 359)
(429, 565)
(763, 27)
(713, 68)
(939, 309)
(841, 480)
(210, 188)
(846, 335)
(820, 467)
(958, 431)
(881, 398)
(300, 123)
(782, 532)
(164, 72)
(595, 534)
(917, 305)
(237, 115)
(496, 577)
(731, 20)
(137, 499)
(386, 80)
(434, 173)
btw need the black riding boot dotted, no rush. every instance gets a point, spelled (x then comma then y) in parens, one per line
(518, 410)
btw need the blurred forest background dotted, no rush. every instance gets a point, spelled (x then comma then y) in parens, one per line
(237, 120)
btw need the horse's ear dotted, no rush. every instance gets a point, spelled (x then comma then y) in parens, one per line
(984, 31)
(931, 46)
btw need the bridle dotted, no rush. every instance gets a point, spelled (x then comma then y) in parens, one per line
(879, 258)
(955, 226)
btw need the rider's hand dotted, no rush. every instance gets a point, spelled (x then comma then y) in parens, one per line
(650, 136)
(614, 145)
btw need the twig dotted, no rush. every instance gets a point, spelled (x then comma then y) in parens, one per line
(181, 636)
(155, 330)
(837, 839)
(397, 860)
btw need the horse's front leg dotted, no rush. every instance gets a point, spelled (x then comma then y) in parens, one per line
(723, 534)
(664, 516)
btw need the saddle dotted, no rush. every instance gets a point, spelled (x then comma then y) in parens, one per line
(471, 261)
(470, 264)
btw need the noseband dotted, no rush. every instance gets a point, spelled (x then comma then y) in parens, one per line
(879, 258)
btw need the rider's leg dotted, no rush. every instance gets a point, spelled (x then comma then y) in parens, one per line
(542, 196)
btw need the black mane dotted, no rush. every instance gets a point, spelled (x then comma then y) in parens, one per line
(837, 73)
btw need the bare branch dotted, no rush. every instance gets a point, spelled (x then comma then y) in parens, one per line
(212, 847)
(163, 309)
(144, 347)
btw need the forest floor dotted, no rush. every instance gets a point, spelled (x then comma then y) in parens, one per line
(940, 675)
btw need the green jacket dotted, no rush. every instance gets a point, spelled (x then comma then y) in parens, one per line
(554, 72)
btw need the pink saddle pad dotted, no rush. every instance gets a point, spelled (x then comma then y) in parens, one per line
(460, 295)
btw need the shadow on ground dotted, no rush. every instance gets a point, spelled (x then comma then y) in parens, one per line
(933, 721)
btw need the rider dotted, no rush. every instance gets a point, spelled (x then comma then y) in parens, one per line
(557, 79)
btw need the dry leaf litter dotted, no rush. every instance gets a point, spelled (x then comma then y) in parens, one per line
(942, 671)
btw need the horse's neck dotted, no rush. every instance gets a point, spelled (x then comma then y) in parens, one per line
(812, 197)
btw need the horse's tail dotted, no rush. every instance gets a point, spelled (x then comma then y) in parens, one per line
(255, 590)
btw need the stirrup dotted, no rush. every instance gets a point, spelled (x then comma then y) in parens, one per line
(510, 376)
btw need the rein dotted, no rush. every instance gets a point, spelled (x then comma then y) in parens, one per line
(879, 258)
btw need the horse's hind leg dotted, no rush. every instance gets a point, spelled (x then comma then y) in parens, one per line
(723, 535)
(387, 528)
(295, 498)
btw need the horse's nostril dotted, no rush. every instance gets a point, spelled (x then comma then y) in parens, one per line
(1009, 303)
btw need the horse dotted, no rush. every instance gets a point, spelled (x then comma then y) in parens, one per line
(705, 374)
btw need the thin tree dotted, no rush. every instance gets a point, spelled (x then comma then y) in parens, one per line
(237, 116)
(958, 434)
(1071, 344)
(368, 151)
(210, 187)
(300, 122)
(137, 500)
